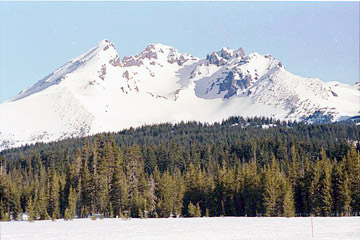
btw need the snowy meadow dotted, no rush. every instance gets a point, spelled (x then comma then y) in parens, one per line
(186, 228)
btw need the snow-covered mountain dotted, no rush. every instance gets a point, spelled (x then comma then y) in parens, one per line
(97, 92)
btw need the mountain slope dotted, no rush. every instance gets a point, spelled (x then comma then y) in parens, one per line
(98, 92)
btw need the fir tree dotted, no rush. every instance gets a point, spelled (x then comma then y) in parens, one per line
(53, 196)
(252, 186)
(352, 167)
(72, 200)
(31, 210)
(191, 210)
(197, 210)
(346, 196)
(272, 190)
(41, 204)
(117, 192)
(288, 200)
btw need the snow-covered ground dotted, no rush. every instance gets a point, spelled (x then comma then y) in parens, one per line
(186, 228)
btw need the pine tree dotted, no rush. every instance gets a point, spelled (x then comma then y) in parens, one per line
(288, 200)
(135, 173)
(72, 199)
(252, 192)
(325, 188)
(272, 190)
(337, 182)
(14, 201)
(166, 195)
(197, 210)
(320, 189)
(225, 189)
(196, 186)
(53, 196)
(101, 178)
(150, 197)
(295, 175)
(87, 192)
(191, 210)
(179, 189)
(239, 185)
(352, 167)
(118, 181)
(31, 210)
(346, 196)
(41, 204)
(2, 211)
(306, 188)
(67, 215)
(171, 188)
(111, 210)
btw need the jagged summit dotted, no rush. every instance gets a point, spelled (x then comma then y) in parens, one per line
(225, 54)
(228, 53)
(158, 47)
(105, 42)
(98, 92)
(157, 54)
(104, 47)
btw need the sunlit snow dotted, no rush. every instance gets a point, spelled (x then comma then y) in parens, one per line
(216, 228)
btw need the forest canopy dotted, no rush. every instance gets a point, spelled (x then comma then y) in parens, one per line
(240, 167)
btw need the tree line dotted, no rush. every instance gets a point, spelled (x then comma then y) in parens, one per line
(236, 168)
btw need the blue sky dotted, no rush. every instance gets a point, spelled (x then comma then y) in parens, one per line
(312, 39)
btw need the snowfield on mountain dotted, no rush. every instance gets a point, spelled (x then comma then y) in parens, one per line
(97, 92)
(345, 228)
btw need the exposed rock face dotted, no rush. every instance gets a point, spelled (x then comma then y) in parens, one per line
(131, 61)
(221, 57)
(155, 54)
(180, 59)
(233, 82)
(116, 62)
(150, 52)
(214, 58)
(102, 72)
(229, 85)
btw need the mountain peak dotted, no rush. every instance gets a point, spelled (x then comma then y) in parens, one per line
(107, 51)
(105, 43)
(158, 46)
(157, 54)
(228, 53)
(154, 50)
(97, 92)
(225, 54)
(103, 52)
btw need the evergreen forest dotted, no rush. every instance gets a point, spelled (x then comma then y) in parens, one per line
(239, 167)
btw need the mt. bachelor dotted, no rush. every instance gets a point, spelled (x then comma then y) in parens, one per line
(98, 92)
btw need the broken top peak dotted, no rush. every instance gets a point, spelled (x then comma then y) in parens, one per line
(104, 41)
(105, 44)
